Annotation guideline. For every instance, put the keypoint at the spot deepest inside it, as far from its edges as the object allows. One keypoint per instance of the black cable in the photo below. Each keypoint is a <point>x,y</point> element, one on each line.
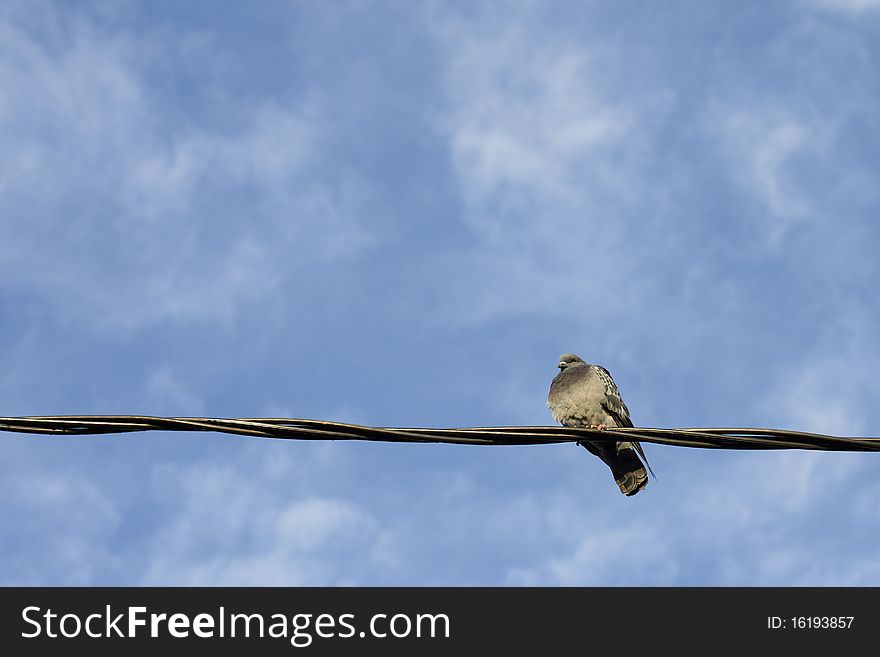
<point>304,429</point>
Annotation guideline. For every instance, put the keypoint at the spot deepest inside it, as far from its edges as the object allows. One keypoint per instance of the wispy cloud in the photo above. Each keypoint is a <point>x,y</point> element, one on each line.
<point>766,149</point>
<point>113,210</point>
<point>301,541</point>
<point>538,144</point>
<point>168,395</point>
<point>59,529</point>
<point>852,6</point>
<point>405,216</point>
<point>529,115</point>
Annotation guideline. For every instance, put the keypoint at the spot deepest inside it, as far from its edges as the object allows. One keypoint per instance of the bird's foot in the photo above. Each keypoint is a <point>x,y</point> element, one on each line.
<point>600,427</point>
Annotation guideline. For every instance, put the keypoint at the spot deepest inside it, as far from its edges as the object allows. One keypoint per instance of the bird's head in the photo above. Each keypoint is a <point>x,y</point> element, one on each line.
<point>569,360</point>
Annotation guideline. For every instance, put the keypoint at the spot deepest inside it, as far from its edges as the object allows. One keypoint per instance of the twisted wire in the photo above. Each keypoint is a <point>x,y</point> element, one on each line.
<point>305,429</point>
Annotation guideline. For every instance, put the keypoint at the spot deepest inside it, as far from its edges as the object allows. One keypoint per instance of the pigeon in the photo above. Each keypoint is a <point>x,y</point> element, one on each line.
<point>585,395</point>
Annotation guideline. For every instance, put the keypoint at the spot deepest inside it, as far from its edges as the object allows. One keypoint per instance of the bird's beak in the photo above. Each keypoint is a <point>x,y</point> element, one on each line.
<point>561,365</point>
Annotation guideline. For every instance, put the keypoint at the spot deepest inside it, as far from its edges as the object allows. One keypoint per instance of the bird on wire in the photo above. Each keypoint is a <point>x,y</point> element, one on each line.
<point>585,395</point>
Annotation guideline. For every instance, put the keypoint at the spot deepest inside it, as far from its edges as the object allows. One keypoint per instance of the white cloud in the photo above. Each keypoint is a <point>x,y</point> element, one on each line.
<point>65,519</point>
<point>725,520</point>
<point>527,113</point>
<point>299,542</point>
<point>631,556</point>
<point>169,395</point>
<point>539,147</point>
<point>824,397</point>
<point>236,526</point>
<point>848,6</point>
<point>831,388</point>
<point>113,210</point>
<point>761,148</point>
<point>773,149</point>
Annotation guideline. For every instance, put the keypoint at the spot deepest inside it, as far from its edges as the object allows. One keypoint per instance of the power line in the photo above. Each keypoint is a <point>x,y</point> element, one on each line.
<point>304,429</point>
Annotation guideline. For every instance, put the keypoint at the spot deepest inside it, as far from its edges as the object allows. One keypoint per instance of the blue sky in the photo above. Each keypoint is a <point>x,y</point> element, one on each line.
<point>401,213</point>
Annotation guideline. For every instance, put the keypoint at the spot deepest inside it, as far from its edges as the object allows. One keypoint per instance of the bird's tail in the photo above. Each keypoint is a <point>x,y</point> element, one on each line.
<point>627,462</point>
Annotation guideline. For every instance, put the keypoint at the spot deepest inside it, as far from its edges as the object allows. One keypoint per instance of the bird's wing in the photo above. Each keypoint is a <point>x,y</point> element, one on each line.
<point>612,401</point>
<point>615,407</point>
